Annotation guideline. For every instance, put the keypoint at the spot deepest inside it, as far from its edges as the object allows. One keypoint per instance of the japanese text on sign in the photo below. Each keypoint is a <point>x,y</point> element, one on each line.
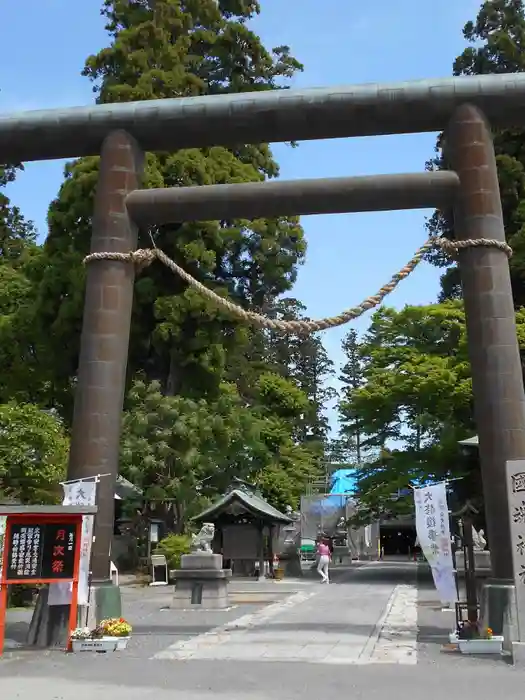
<point>518,517</point>
<point>41,551</point>
<point>433,532</point>
<point>25,551</point>
<point>431,522</point>
<point>59,551</point>
<point>515,483</point>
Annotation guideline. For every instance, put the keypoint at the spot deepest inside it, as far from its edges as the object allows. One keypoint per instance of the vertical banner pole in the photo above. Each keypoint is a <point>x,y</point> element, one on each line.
<point>88,601</point>
<point>74,592</point>
<point>3,584</point>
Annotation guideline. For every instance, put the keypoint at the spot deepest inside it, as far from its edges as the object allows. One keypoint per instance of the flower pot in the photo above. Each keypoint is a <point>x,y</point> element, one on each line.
<point>100,645</point>
<point>481,646</point>
<point>122,643</point>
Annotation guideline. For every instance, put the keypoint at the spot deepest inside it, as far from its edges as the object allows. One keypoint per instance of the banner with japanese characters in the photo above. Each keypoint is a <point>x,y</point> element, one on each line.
<point>78,493</point>
<point>433,534</point>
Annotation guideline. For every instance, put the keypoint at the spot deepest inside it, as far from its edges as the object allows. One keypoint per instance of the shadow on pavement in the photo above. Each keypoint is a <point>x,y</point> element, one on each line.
<point>16,632</point>
<point>394,573</point>
<point>188,630</point>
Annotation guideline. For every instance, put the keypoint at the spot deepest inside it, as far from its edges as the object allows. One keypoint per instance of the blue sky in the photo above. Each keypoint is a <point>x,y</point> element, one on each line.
<point>339,42</point>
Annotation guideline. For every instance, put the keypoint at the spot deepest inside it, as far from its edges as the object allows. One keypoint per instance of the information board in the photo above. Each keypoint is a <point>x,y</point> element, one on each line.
<point>44,551</point>
<point>41,546</point>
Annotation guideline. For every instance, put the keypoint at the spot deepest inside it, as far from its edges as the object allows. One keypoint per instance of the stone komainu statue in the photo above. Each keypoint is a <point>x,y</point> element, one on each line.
<point>201,542</point>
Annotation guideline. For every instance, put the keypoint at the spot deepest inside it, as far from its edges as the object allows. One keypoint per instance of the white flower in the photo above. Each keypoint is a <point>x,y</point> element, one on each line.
<point>81,633</point>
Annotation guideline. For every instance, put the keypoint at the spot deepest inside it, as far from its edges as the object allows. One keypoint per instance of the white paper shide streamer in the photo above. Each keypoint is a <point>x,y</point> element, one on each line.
<point>78,493</point>
<point>433,533</point>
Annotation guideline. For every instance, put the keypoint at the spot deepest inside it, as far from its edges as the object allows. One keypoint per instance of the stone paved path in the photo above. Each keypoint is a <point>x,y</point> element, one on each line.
<point>361,621</point>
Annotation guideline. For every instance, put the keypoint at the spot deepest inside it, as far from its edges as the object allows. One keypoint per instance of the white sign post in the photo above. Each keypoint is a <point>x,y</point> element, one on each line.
<point>3,521</point>
<point>78,493</point>
<point>433,533</point>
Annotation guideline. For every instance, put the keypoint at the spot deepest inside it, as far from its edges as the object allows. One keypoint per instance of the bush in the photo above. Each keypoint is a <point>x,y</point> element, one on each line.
<point>21,596</point>
<point>173,547</point>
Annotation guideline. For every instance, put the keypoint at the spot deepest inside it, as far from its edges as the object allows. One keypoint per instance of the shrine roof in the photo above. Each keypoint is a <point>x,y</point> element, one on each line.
<point>253,504</point>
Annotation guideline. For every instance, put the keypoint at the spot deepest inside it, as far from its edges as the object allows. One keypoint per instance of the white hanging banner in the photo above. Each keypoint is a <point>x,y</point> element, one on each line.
<point>78,493</point>
<point>433,533</point>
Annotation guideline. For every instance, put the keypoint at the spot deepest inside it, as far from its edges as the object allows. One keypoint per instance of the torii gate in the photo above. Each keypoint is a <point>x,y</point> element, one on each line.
<point>121,133</point>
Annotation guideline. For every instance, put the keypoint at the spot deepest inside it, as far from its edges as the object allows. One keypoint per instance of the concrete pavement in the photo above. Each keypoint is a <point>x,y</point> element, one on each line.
<point>356,636</point>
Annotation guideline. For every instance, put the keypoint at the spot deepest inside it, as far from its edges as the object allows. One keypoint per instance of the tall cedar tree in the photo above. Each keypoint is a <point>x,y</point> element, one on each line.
<point>498,46</point>
<point>304,360</point>
<point>352,441</point>
<point>20,347</point>
<point>169,49</point>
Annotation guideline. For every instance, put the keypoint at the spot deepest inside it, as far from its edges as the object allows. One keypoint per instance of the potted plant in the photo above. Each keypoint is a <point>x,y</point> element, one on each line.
<point>116,628</point>
<point>84,639</point>
<point>474,639</point>
<point>112,634</point>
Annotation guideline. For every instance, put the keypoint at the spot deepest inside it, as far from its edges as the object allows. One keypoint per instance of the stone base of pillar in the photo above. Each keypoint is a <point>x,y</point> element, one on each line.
<point>104,602</point>
<point>482,564</point>
<point>518,654</point>
<point>49,624</point>
<point>498,609</point>
<point>201,582</point>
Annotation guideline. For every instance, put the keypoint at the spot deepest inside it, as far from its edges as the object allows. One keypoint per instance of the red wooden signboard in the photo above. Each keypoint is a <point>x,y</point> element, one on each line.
<point>41,548</point>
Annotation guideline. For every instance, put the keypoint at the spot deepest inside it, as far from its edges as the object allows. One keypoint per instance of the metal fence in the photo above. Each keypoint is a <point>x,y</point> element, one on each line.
<point>321,513</point>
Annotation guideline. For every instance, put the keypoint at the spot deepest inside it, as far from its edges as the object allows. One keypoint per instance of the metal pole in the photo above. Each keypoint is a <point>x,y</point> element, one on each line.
<point>470,570</point>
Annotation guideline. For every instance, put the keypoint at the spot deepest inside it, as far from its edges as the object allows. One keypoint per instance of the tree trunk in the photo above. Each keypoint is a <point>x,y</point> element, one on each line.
<point>173,381</point>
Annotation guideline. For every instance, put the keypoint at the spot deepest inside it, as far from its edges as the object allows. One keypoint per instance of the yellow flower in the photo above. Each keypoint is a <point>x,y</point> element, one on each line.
<point>116,627</point>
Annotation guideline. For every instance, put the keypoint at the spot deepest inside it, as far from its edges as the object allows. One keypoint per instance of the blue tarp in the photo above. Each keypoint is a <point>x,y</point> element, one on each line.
<point>343,485</point>
<point>343,481</point>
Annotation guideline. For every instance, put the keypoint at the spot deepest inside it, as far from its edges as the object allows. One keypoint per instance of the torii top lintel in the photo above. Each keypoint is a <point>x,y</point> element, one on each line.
<point>256,117</point>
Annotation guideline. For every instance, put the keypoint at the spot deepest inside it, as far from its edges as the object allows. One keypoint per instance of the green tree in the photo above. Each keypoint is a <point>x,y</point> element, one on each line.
<point>182,451</point>
<point>352,440</point>
<point>283,468</point>
<point>170,48</point>
<point>415,390</point>
<point>33,453</point>
<point>16,234</point>
<point>178,450</point>
<point>22,342</point>
<point>302,359</point>
<point>497,38</point>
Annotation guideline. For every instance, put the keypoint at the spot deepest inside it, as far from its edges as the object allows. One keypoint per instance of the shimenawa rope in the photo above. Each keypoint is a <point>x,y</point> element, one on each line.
<point>143,257</point>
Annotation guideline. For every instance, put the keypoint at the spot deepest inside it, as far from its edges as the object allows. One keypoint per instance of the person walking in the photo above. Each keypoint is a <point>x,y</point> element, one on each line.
<point>323,552</point>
